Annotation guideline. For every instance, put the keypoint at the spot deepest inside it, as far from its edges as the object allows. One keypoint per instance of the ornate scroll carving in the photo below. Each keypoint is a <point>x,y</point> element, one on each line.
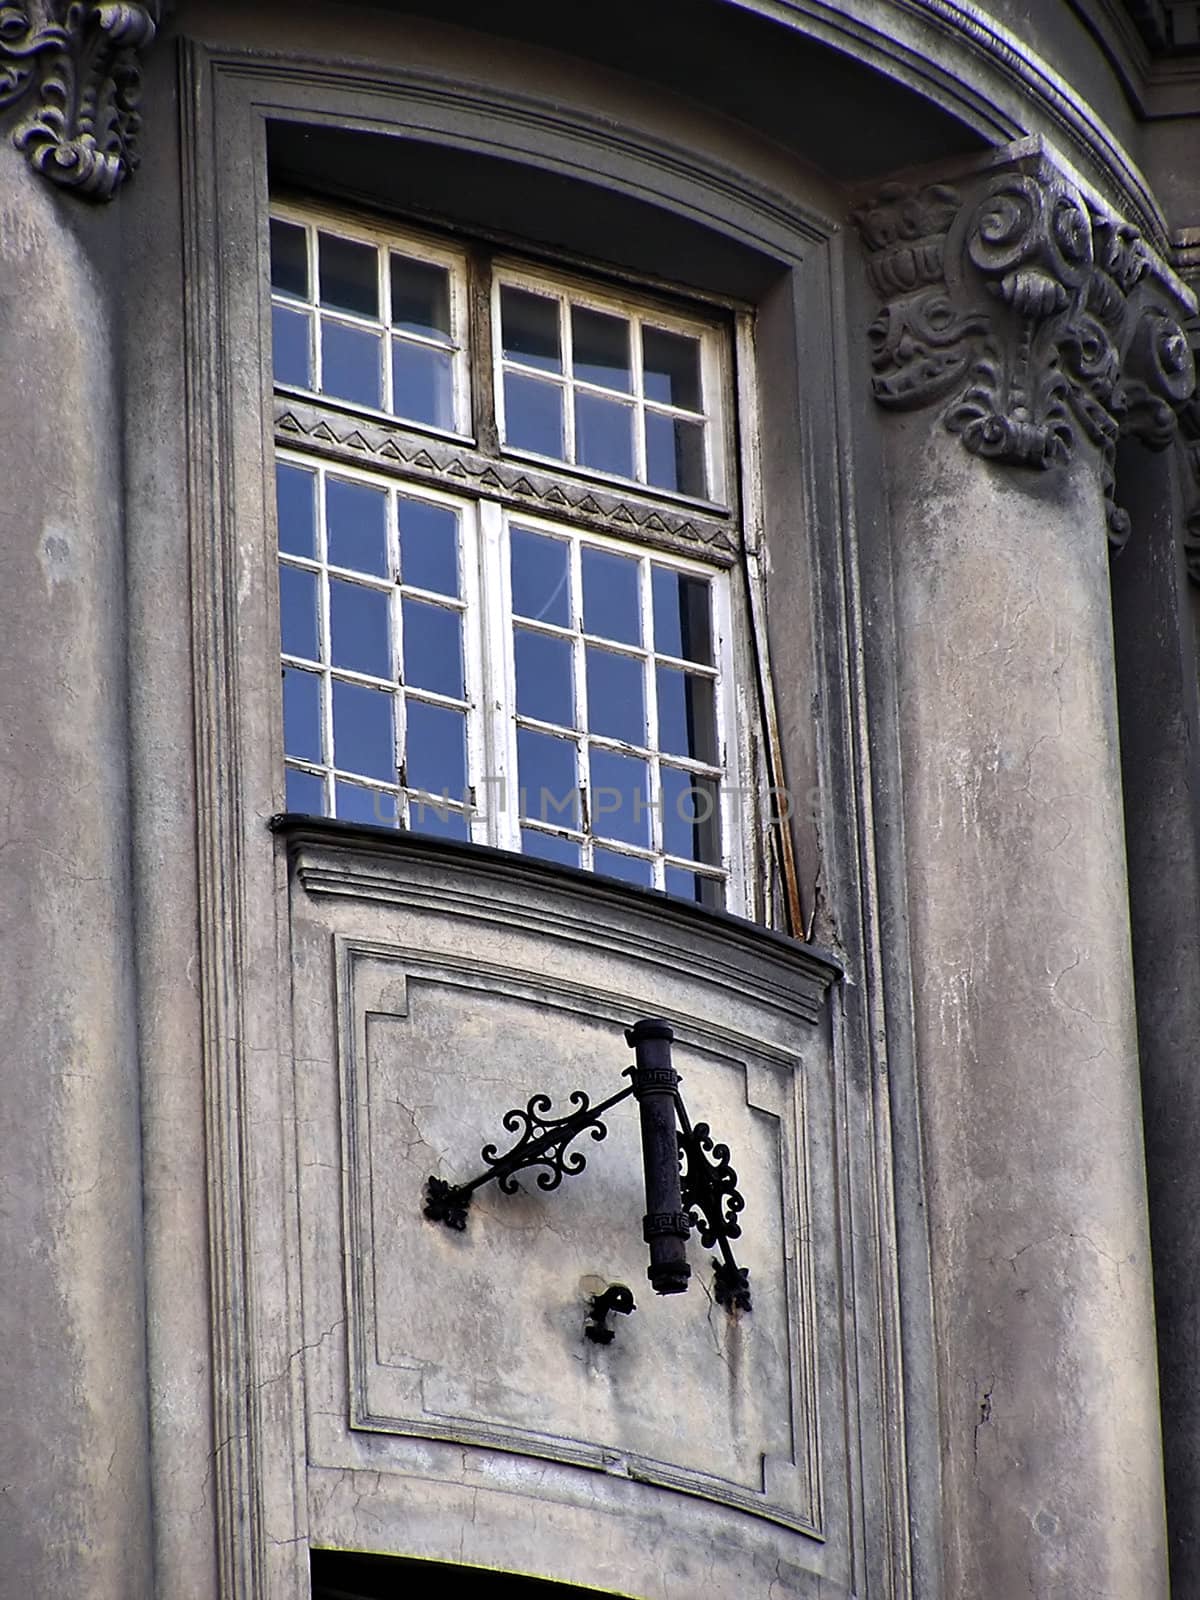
<point>77,65</point>
<point>1031,313</point>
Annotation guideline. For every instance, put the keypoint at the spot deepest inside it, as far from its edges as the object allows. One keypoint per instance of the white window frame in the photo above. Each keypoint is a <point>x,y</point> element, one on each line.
<point>493,812</point>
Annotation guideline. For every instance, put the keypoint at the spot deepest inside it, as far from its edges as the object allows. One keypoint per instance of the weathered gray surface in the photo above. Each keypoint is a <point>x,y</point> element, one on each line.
<point>1159,759</point>
<point>1026,1033</point>
<point>457,994</point>
<point>74,1497</point>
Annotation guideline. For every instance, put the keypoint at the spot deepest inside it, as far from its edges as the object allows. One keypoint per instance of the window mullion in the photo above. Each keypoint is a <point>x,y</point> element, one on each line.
<point>500,797</point>
<point>582,743</point>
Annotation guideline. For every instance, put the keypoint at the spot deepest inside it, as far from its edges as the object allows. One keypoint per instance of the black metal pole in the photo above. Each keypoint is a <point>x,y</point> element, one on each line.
<point>666,1225</point>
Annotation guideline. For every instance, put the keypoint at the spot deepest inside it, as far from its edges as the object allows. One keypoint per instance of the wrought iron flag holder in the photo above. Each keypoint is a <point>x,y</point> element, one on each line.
<point>689,1179</point>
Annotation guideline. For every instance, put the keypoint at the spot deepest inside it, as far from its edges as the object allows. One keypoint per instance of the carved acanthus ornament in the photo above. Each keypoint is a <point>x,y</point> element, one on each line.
<point>1030,313</point>
<point>75,64</point>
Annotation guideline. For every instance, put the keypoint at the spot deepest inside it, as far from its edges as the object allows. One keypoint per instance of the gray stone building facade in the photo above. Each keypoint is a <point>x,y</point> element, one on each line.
<point>724,475</point>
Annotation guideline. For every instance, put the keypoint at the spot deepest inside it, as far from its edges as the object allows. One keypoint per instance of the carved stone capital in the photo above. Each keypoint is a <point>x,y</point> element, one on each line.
<point>1030,313</point>
<point>72,67</point>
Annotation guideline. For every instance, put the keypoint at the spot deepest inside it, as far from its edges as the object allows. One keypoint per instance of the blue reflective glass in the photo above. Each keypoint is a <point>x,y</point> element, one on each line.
<point>550,847</point>
<point>691,823</point>
<point>611,596</point>
<point>350,364</point>
<point>420,297</point>
<point>675,455</point>
<point>442,820</point>
<point>682,615</point>
<point>356,522</point>
<point>359,629</point>
<point>708,892</point>
<point>295,497</point>
<point>433,657</point>
<point>422,384</point>
<point>356,803</point>
<point>533,415</point>
<point>616,704</point>
<point>630,869</point>
<point>289,259</point>
<point>604,435</point>
<point>301,714</point>
<point>619,797</point>
<point>298,629</point>
<point>305,792</point>
<point>541,584</point>
<point>529,324</point>
<point>671,368</point>
<point>290,347</point>
<point>349,274</point>
<point>547,778</point>
<point>428,546</point>
<point>600,349</point>
<point>545,679</point>
<point>687,723</point>
<point>435,757</point>
<point>363,733</point>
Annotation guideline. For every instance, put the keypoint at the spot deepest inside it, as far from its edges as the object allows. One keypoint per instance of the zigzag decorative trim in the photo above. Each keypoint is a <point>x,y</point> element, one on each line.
<point>455,466</point>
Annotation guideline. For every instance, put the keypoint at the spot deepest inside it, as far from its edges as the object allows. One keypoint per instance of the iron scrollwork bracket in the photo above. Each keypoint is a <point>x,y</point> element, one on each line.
<point>713,1203</point>
<point>689,1179</point>
<point>542,1142</point>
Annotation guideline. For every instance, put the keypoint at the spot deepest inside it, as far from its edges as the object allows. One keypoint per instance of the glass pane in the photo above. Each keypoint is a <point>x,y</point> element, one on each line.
<point>295,495</point>
<point>289,259</point>
<point>604,434</point>
<point>541,584</point>
<point>349,275</point>
<point>611,600</point>
<point>433,656</point>
<point>358,804</point>
<point>428,546</point>
<point>290,347</point>
<point>630,869</point>
<point>435,758</point>
<point>350,360</point>
<point>616,697</point>
<point>301,714</point>
<point>363,735</point>
<point>682,615</point>
<point>687,724</point>
<point>550,847</point>
<point>545,680</point>
<point>546,775</point>
<point>619,797</point>
<point>675,454</point>
<point>671,369</point>
<point>356,525</point>
<point>530,329</point>
<point>420,297</point>
<point>600,349</point>
<point>691,821</point>
<point>708,892</point>
<point>533,415</point>
<point>360,629</point>
<point>422,384</point>
<point>305,792</point>
<point>425,816</point>
<point>298,629</point>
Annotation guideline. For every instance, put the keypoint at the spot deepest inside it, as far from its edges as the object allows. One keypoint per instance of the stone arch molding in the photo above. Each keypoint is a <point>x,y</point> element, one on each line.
<point>76,65</point>
<point>1030,313</point>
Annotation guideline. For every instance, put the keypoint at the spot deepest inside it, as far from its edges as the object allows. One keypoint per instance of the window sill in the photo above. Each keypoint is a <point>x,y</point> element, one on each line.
<point>508,876</point>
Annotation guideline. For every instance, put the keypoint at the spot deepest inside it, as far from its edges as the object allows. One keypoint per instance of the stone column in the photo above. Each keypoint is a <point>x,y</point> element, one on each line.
<point>74,1480</point>
<point>1022,327</point>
